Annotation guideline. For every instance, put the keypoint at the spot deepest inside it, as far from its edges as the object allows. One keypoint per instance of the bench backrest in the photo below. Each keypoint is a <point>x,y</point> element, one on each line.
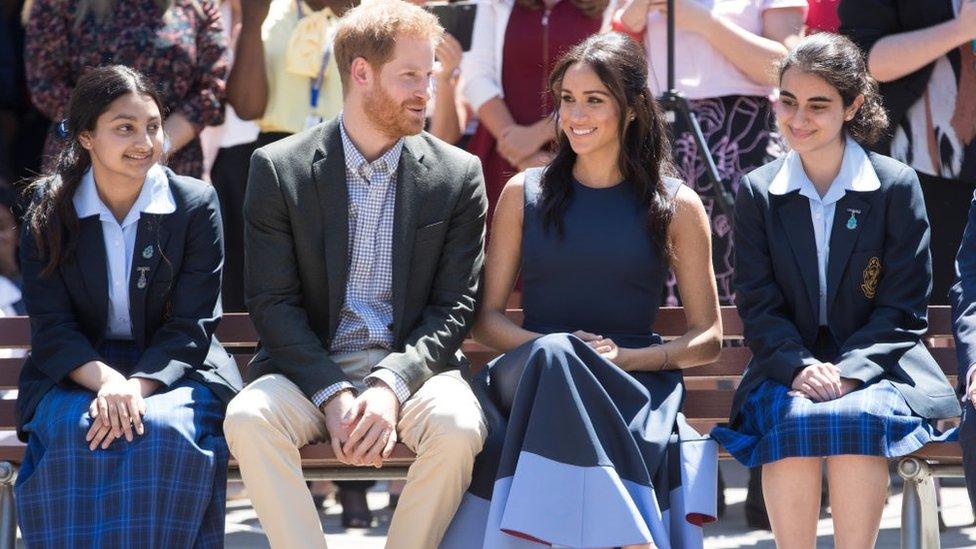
<point>709,388</point>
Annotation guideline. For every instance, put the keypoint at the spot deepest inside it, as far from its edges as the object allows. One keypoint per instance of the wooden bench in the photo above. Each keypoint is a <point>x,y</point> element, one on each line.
<point>710,390</point>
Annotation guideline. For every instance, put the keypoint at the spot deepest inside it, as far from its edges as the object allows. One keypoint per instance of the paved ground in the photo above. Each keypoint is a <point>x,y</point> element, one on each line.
<point>244,531</point>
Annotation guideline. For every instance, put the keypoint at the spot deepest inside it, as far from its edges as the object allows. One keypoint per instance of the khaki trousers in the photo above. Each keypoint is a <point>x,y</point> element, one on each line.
<point>271,419</point>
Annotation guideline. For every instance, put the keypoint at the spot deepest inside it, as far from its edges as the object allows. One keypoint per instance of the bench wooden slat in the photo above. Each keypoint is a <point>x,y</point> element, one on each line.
<point>236,329</point>
<point>945,452</point>
<point>710,388</point>
<point>15,332</point>
<point>10,372</point>
<point>7,414</point>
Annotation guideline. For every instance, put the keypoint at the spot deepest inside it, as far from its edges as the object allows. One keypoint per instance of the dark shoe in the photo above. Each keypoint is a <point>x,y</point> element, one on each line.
<point>355,510</point>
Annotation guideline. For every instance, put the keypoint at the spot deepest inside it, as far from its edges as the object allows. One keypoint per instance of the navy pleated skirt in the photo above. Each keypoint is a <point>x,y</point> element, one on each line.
<point>167,488</point>
<point>583,454</point>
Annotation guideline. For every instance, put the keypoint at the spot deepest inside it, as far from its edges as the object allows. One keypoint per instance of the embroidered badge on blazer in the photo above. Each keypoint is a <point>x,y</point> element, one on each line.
<point>872,273</point>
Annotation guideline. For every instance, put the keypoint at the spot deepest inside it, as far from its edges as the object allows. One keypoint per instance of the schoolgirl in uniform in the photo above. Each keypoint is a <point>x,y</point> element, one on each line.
<point>832,283</point>
<point>122,398</point>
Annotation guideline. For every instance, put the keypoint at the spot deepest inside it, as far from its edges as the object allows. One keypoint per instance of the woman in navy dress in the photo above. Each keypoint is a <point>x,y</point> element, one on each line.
<point>122,398</point>
<point>832,283</point>
<point>587,447</point>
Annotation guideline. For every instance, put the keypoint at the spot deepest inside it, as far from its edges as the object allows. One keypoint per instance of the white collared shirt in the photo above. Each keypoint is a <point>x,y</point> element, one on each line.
<point>120,239</point>
<point>856,174</point>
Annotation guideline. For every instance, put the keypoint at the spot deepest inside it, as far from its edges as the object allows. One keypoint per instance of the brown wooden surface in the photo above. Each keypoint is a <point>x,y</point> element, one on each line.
<point>710,388</point>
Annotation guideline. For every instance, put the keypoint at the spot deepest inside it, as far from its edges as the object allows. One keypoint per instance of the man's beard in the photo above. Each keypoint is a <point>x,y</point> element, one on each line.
<point>389,117</point>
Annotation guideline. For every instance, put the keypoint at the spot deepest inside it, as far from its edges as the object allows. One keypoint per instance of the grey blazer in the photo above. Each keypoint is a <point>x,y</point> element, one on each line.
<point>878,283</point>
<point>297,256</point>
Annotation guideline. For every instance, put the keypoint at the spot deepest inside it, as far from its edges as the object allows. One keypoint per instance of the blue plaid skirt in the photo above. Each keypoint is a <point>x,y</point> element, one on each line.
<point>167,488</point>
<point>873,421</point>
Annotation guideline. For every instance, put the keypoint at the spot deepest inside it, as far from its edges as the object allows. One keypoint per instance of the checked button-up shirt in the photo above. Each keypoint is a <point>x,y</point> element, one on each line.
<point>367,312</point>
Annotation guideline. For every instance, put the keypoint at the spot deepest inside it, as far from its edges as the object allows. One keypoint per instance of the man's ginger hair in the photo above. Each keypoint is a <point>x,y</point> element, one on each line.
<point>370,31</point>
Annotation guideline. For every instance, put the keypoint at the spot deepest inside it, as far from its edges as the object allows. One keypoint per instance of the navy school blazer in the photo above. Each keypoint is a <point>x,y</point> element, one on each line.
<point>962,297</point>
<point>878,282</point>
<point>173,317</point>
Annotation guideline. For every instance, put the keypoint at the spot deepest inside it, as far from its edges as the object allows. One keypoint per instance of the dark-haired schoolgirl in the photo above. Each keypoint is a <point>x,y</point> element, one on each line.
<point>122,398</point>
<point>587,447</point>
<point>832,283</point>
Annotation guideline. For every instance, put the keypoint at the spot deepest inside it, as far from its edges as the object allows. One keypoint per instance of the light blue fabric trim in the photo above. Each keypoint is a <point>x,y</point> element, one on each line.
<point>624,515</point>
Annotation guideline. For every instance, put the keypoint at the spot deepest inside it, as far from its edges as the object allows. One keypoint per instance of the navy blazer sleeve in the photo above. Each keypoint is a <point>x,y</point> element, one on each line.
<point>274,288</point>
<point>181,344</point>
<point>58,345</point>
<point>777,348</point>
<point>900,315</point>
<point>962,297</point>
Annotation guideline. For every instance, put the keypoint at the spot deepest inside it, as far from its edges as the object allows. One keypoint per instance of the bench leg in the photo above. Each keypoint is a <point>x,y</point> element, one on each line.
<point>8,512</point>
<point>919,516</point>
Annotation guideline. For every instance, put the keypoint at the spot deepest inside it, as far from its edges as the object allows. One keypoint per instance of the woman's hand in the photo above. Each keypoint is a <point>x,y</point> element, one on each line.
<point>689,15</point>
<point>115,411</point>
<point>449,54</point>
<point>146,386</point>
<point>605,347</point>
<point>516,143</point>
<point>634,14</point>
<point>848,385</point>
<point>819,382</point>
<point>180,131</point>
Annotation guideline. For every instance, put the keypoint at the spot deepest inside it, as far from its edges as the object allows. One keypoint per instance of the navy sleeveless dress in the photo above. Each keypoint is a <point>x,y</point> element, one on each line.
<point>579,452</point>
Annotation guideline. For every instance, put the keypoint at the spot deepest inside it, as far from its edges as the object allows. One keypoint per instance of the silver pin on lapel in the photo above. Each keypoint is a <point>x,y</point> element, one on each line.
<point>852,221</point>
<point>142,282</point>
<point>147,252</point>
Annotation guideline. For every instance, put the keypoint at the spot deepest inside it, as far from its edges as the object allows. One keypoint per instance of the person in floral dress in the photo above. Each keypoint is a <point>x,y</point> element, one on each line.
<point>177,43</point>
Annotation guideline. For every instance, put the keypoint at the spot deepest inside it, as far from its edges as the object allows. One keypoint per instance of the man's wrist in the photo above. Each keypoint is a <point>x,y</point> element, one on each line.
<point>331,398</point>
<point>392,381</point>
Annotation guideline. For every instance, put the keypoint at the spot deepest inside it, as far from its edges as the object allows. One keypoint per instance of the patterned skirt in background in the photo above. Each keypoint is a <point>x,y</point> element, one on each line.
<point>166,488</point>
<point>740,132</point>
<point>582,454</point>
<point>873,421</point>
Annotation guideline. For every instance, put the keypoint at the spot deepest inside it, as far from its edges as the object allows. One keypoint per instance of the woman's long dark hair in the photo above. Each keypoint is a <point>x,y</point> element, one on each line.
<point>51,217</point>
<point>645,152</point>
